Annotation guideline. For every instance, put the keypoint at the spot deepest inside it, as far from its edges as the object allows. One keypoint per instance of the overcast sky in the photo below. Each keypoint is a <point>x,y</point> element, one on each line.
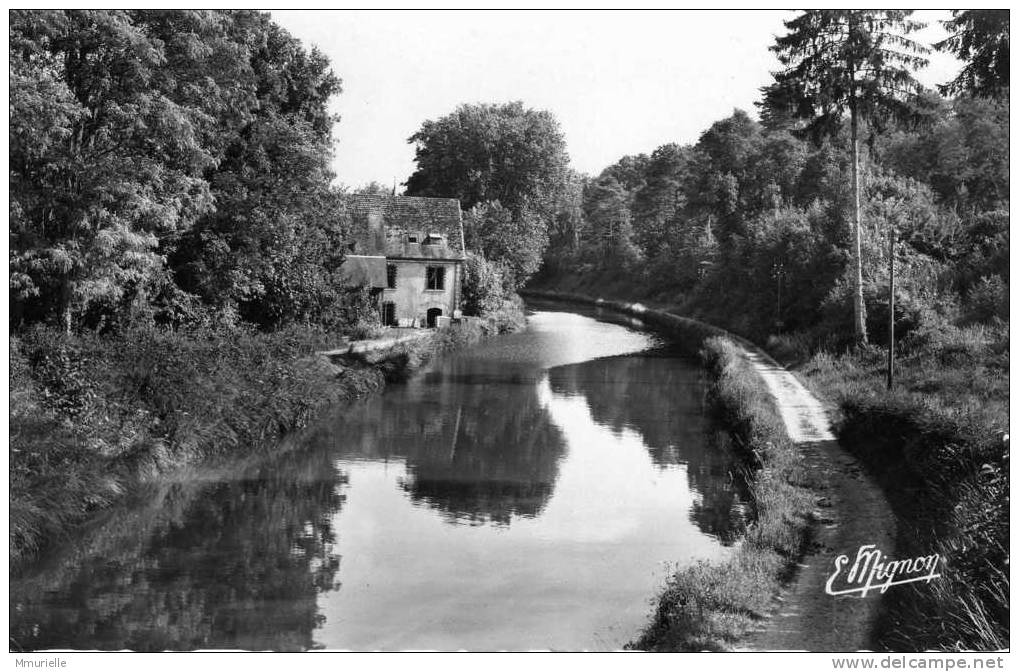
<point>619,82</point>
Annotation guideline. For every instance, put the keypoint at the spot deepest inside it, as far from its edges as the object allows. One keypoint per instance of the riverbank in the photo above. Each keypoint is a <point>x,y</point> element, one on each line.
<point>937,445</point>
<point>710,606</point>
<point>800,483</point>
<point>485,470</point>
<point>94,417</point>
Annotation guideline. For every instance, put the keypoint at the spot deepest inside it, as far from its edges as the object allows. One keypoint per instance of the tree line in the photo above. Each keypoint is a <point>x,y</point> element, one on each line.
<point>173,166</point>
<point>783,224</point>
<point>169,166</point>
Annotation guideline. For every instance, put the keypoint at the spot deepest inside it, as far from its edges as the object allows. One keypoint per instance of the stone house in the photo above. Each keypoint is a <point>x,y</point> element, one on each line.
<point>410,251</point>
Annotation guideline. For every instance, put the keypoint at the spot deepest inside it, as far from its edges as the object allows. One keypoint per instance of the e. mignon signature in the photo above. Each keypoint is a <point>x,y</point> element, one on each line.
<point>872,570</point>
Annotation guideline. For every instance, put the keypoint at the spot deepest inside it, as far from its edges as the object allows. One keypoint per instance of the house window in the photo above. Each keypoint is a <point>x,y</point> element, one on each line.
<point>389,314</point>
<point>412,239</point>
<point>435,277</point>
<point>391,276</point>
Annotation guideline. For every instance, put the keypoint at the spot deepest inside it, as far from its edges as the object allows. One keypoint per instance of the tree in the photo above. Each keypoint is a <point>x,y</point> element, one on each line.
<point>154,151</point>
<point>515,241</point>
<point>720,175</point>
<point>567,226</point>
<point>979,37</point>
<point>482,285</point>
<point>963,155</point>
<point>271,244</point>
<point>630,171</point>
<point>858,61</point>
<point>607,211</point>
<point>660,196</point>
<point>508,159</point>
<point>109,140</point>
<point>373,188</point>
<point>487,153</point>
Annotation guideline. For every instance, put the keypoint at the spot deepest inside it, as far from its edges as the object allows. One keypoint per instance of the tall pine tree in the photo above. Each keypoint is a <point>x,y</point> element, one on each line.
<point>979,37</point>
<point>855,61</point>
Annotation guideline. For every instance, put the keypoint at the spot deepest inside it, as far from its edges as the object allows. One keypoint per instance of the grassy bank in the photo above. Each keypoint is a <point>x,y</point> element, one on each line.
<point>92,417</point>
<point>937,446</point>
<point>711,605</point>
<point>404,359</point>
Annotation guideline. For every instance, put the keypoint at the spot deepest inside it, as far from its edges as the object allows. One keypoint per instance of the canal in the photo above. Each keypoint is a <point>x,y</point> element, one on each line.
<point>531,492</point>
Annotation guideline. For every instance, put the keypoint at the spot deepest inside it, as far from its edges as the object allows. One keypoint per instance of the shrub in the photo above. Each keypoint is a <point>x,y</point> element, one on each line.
<point>365,329</point>
<point>483,287</point>
<point>91,415</point>
<point>987,300</point>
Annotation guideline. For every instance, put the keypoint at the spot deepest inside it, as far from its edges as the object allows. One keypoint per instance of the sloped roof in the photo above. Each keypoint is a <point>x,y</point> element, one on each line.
<point>380,224</point>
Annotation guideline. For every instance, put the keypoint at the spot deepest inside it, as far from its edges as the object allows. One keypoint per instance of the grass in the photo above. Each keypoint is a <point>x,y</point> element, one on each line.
<point>709,606</point>
<point>407,358</point>
<point>937,445</point>
<point>93,417</point>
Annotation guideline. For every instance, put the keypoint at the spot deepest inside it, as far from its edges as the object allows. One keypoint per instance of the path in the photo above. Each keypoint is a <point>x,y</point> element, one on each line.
<point>373,349</point>
<point>852,511</point>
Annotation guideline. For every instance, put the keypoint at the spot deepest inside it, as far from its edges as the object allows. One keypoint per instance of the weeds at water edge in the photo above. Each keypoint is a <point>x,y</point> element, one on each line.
<point>710,606</point>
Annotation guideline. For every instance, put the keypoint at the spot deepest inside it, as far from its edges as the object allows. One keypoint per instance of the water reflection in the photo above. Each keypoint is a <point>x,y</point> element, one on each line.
<point>477,444</point>
<point>237,563</point>
<point>661,396</point>
<point>531,492</point>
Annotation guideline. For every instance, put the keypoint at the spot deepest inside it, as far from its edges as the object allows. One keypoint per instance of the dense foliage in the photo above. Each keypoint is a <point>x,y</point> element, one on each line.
<point>751,228</point>
<point>168,165</point>
<point>508,166</point>
<point>980,38</point>
<point>92,415</point>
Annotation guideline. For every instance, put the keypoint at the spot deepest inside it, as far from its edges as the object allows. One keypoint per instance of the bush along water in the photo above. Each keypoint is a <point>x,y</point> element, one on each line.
<point>93,415</point>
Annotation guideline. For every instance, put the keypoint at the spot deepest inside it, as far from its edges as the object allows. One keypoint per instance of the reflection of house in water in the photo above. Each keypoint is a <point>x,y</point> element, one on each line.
<point>410,252</point>
<point>475,448</point>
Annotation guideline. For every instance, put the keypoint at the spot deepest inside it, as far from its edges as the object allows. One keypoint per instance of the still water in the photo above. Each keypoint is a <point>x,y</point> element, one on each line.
<point>532,492</point>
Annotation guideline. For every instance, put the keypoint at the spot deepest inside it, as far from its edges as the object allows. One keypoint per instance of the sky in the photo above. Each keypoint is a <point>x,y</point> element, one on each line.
<point>618,82</point>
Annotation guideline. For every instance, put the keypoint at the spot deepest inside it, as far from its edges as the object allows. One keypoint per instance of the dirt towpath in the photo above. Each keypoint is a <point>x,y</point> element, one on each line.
<point>851,510</point>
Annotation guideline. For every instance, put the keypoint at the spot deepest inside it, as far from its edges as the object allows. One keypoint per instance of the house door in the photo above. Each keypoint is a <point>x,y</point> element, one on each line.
<point>389,313</point>
<point>433,313</point>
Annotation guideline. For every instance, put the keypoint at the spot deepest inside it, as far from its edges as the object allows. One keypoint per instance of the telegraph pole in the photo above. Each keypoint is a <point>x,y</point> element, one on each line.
<point>891,306</point>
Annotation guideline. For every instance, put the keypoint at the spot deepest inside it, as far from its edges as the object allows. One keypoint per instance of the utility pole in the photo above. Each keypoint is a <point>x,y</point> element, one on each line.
<point>891,306</point>
<point>779,271</point>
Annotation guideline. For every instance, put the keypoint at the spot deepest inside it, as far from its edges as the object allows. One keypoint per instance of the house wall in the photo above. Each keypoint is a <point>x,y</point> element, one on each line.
<point>413,300</point>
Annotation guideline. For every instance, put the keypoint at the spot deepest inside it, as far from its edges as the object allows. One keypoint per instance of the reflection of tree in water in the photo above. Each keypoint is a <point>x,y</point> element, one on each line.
<point>662,398</point>
<point>478,444</point>
<point>234,564</point>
